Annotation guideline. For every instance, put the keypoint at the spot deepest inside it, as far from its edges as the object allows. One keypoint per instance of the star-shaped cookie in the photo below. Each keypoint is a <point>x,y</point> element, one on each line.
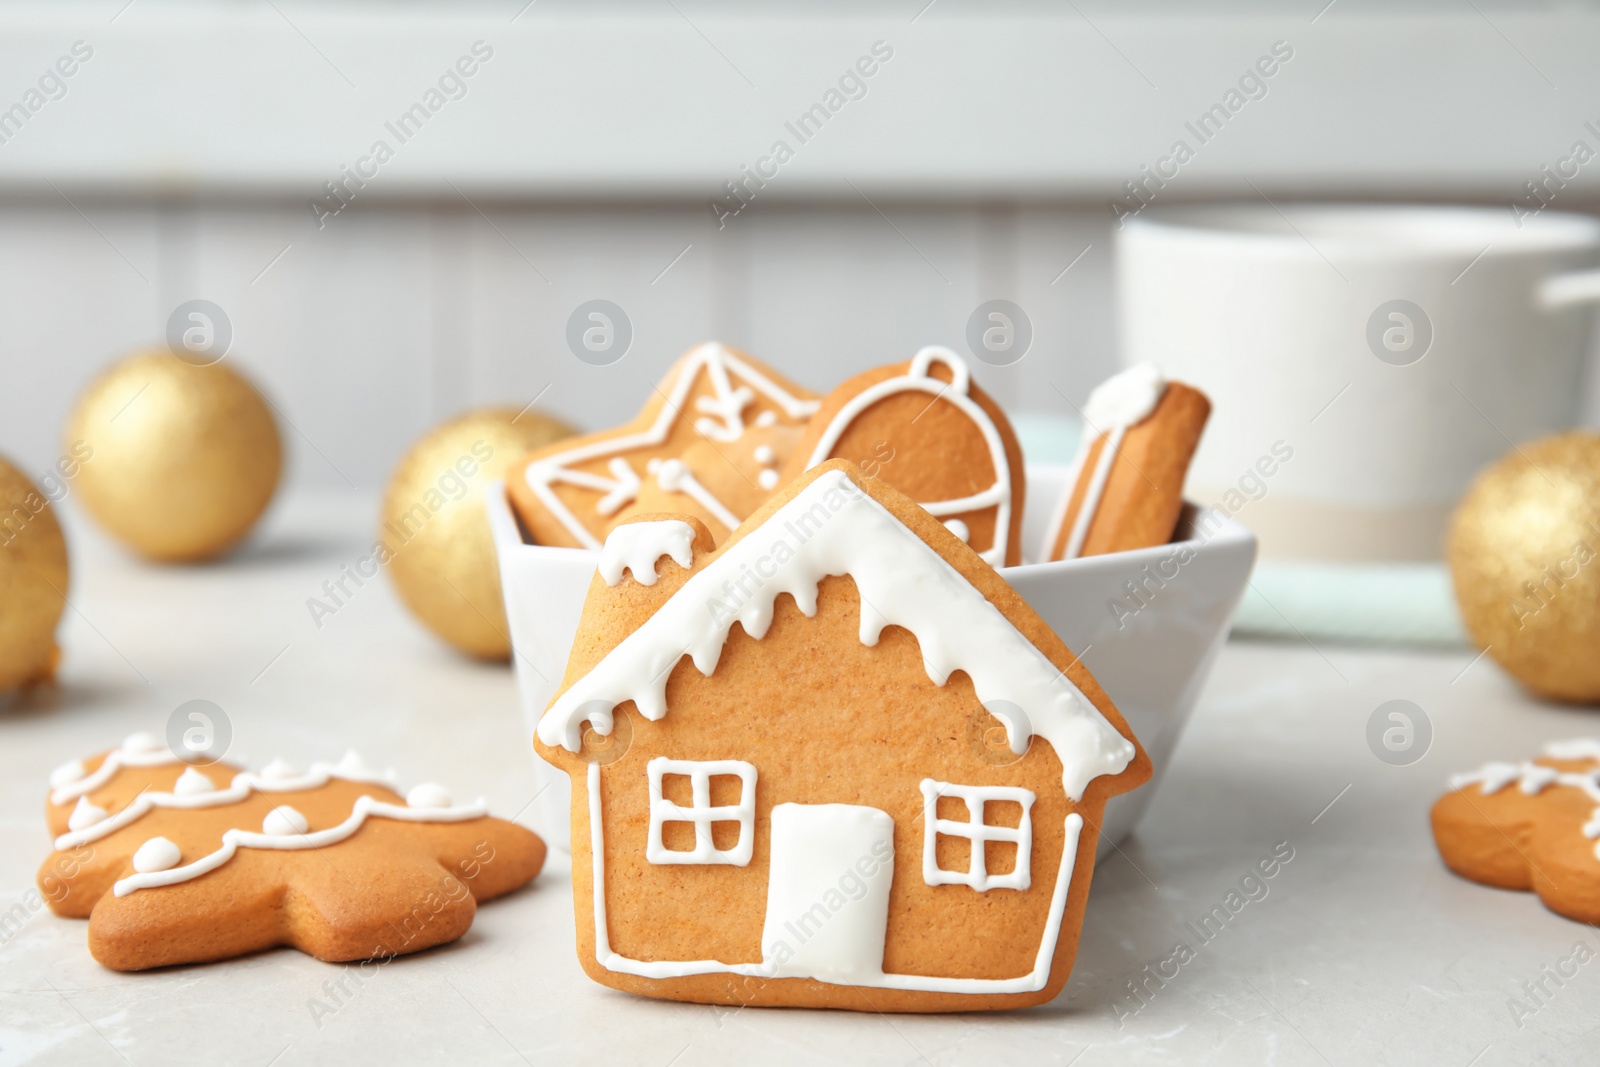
<point>1529,825</point>
<point>172,863</point>
<point>571,493</point>
<point>719,484</point>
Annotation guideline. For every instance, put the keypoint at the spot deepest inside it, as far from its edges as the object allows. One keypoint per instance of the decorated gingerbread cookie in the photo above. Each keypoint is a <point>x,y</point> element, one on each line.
<point>925,429</point>
<point>572,492</point>
<point>1531,825</point>
<point>721,484</point>
<point>785,790</point>
<point>172,863</point>
<point>1126,486</point>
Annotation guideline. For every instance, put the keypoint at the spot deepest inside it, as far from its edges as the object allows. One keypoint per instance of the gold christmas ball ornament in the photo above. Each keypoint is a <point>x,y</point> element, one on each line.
<point>186,458</point>
<point>33,581</point>
<point>1524,551</point>
<point>435,531</point>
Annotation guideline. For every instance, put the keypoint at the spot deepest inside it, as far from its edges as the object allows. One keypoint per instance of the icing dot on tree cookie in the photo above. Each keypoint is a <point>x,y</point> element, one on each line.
<point>141,743</point>
<point>85,815</point>
<point>277,770</point>
<point>67,773</point>
<point>284,821</point>
<point>192,783</point>
<point>428,795</point>
<point>156,854</point>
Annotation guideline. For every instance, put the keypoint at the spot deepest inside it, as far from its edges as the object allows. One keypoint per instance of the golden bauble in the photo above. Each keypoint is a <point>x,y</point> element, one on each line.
<point>436,530</point>
<point>185,457</point>
<point>33,581</point>
<point>1524,552</point>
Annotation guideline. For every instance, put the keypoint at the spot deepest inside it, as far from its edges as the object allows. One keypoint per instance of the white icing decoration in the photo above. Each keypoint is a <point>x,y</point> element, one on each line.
<point>142,743</point>
<point>278,769</point>
<point>85,815</point>
<point>764,455</point>
<point>428,795</point>
<point>812,847</point>
<point>918,378</point>
<point>832,528</point>
<point>156,854</point>
<point>674,476</point>
<point>1035,979</point>
<point>979,833</point>
<point>1120,402</point>
<point>67,773</point>
<point>351,765</point>
<point>623,490</point>
<point>192,783</point>
<point>729,408</point>
<point>1534,778</point>
<point>234,840</point>
<point>242,786</point>
<point>114,762</point>
<point>636,546</point>
<point>957,527</point>
<point>1574,749</point>
<point>1126,398</point>
<point>768,479</point>
<point>722,367</point>
<point>282,821</point>
<point>700,812</point>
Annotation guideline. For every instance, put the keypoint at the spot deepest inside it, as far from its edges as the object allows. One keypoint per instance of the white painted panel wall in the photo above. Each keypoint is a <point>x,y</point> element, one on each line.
<point>397,315</point>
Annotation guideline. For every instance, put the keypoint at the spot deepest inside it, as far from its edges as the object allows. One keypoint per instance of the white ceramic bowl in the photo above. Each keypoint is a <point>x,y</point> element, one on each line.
<point>1151,654</point>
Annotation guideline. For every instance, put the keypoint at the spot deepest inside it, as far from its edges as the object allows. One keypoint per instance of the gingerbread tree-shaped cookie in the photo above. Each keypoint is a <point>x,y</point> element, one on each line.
<point>172,863</point>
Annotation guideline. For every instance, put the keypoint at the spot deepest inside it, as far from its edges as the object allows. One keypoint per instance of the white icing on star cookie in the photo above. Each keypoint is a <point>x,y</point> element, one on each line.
<point>721,418</point>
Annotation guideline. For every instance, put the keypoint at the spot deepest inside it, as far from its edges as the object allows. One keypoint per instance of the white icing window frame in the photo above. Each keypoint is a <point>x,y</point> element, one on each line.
<point>701,813</point>
<point>978,834</point>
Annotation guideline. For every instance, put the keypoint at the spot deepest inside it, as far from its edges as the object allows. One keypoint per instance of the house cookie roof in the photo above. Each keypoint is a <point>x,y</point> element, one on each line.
<point>833,527</point>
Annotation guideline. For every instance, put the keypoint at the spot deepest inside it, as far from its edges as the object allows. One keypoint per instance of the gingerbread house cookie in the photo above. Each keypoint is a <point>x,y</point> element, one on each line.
<point>1529,825</point>
<point>927,430</point>
<point>1125,490</point>
<point>172,863</point>
<point>570,493</point>
<point>785,790</point>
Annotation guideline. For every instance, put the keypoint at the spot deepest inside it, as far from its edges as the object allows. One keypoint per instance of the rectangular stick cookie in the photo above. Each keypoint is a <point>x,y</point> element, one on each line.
<point>1126,486</point>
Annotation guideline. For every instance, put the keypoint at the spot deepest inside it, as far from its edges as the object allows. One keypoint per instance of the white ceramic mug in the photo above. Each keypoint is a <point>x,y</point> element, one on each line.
<point>1364,362</point>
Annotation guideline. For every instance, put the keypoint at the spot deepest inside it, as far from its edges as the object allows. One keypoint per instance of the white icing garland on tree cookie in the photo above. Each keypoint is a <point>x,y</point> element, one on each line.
<point>155,863</point>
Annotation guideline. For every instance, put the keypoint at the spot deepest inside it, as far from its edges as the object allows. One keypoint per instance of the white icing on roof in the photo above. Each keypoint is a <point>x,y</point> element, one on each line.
<point>637,546</point>
<point>832,527</point>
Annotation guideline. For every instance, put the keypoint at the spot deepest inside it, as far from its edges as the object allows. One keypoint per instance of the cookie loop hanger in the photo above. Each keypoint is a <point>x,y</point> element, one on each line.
<point>922,362</point>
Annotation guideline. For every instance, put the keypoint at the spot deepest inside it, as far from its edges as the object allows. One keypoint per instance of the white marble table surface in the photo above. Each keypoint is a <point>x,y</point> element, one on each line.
<point>1363,950</point>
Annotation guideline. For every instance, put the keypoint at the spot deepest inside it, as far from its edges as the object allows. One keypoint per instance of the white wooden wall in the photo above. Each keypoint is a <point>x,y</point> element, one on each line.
<point>387,320</point>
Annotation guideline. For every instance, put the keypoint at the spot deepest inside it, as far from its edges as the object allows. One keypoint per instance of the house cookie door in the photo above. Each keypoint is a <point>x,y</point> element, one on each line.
<point>828,892</point>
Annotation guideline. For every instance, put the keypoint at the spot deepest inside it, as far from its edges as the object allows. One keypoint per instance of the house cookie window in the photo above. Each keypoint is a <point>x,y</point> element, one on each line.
<point>701,811</point>
<point>995,832</point>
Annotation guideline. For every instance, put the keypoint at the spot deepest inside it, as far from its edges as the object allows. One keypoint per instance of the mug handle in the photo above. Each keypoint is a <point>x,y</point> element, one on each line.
<point>1566,290</point>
